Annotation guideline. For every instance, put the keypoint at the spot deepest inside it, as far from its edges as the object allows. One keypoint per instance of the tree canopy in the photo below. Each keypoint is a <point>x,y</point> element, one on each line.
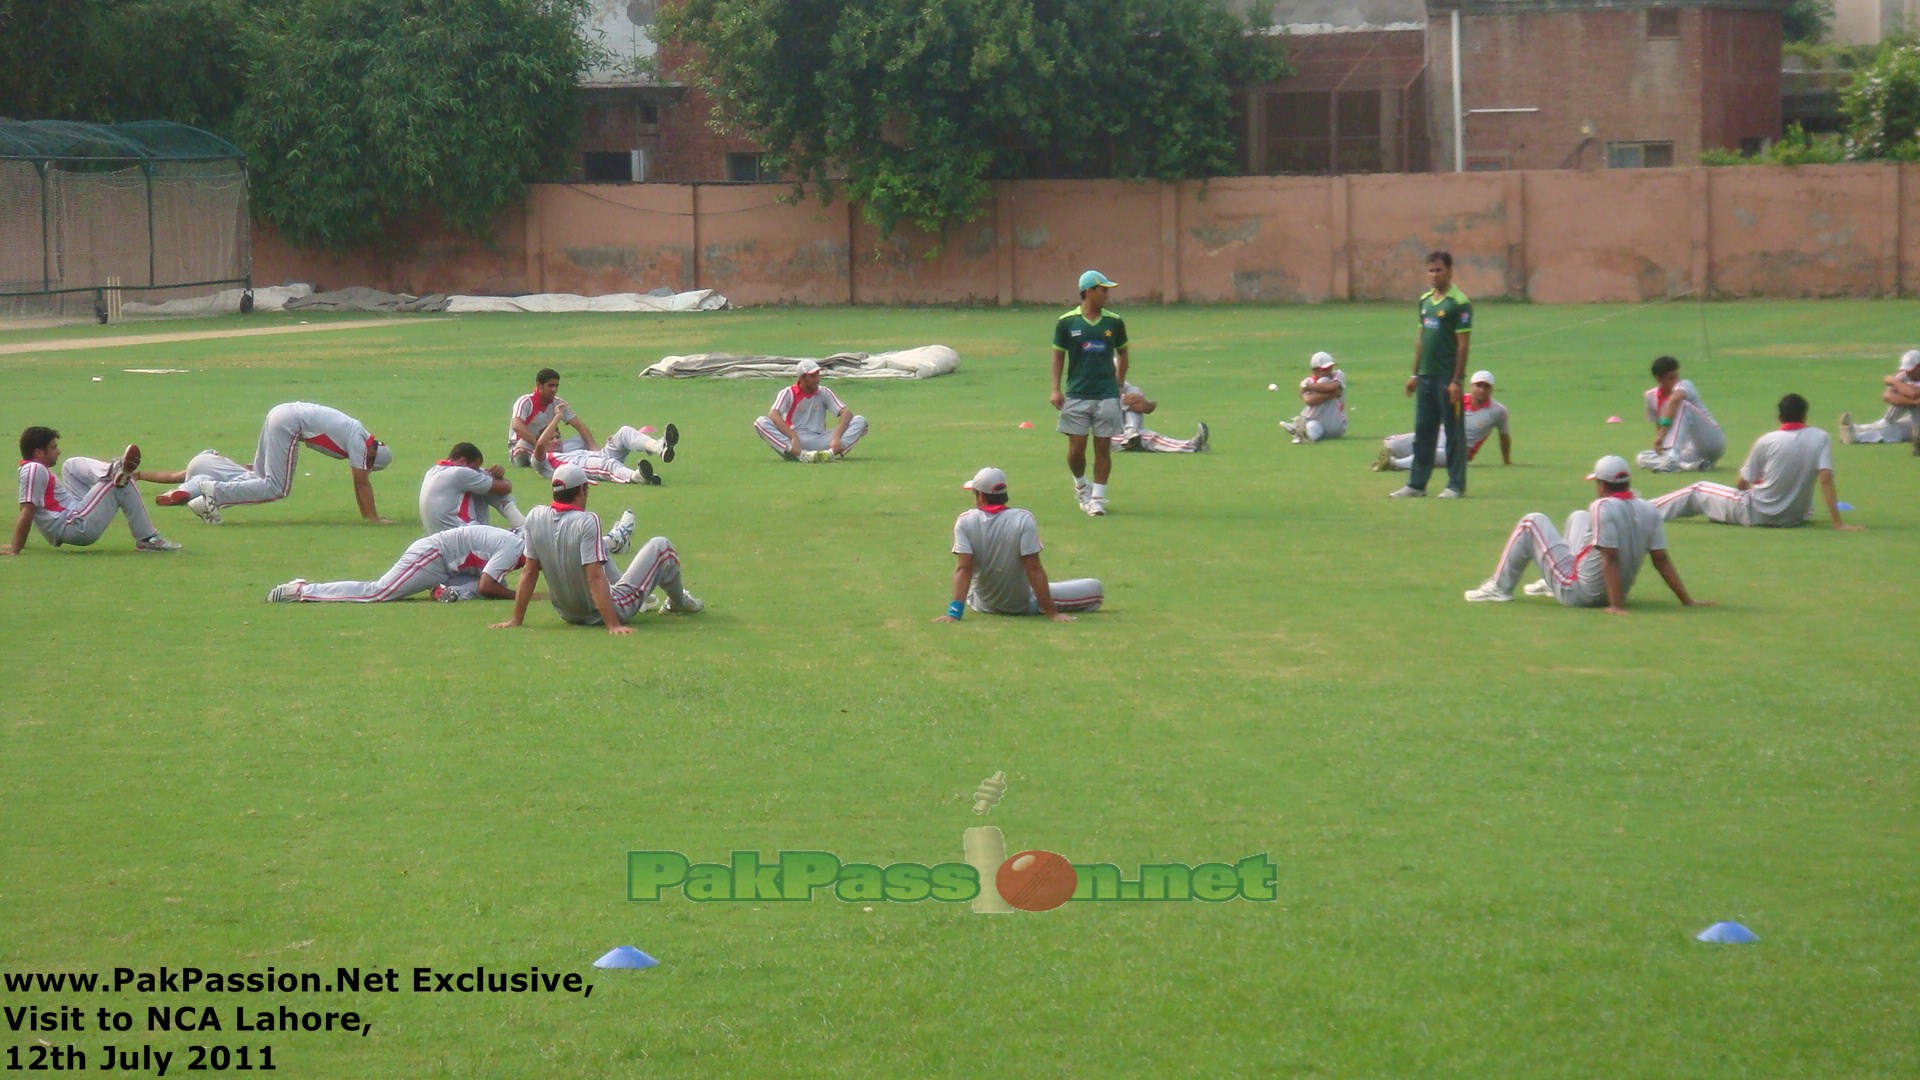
<point>355,114</point>
<point>920,104</point>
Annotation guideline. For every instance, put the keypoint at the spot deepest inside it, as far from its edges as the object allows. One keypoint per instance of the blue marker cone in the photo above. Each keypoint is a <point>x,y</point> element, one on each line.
<point>1844,505</point>
<point>626,956</point>
<point>1727,933</point>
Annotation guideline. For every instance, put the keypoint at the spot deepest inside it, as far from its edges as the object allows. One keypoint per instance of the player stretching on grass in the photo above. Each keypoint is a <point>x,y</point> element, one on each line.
<point>288,427</point>
<point>455,564</point>
<point>76,506</point>
<point>1901,422</point>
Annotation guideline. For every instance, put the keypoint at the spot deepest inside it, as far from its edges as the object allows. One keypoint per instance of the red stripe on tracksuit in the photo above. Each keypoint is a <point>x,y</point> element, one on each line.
<point>1083,604</point>
<point>425,560</point>
<point>641,588</point>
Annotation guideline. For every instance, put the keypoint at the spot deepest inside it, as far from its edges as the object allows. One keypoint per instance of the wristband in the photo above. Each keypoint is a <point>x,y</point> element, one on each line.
<point>1666,421</point>
<point>956,609</point>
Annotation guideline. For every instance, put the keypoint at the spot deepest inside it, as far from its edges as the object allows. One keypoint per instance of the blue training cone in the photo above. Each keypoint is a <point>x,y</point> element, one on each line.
<point>1727,933</point>
<point>1844,505</point>
<point>626,956</point>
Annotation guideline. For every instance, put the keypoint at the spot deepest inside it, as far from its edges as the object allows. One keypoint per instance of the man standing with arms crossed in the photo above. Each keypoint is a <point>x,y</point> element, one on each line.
<point>1439,367</point>
<point>1090,346</point>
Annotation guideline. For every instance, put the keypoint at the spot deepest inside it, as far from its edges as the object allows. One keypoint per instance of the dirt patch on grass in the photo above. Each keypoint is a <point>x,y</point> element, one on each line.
<point>65,345</point>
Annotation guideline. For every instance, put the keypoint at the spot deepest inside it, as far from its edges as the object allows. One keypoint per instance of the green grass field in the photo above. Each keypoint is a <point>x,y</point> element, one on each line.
<point>1497,827</point>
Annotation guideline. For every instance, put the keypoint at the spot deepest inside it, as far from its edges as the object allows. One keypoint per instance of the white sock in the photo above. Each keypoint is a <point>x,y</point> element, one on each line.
<point>1099,491</point>
<point>1080,483</point>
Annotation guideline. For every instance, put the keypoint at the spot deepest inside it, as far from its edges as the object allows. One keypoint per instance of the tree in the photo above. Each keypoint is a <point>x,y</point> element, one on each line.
<point>179,60</point>
<point>48,68</point>
<point>359,114</point>
<point>1882,107</point>
<point>1807,20</point>
<point>922,103</point>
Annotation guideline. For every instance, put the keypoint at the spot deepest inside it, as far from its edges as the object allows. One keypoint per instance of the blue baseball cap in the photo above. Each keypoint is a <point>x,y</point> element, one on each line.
<point>1094,277</point>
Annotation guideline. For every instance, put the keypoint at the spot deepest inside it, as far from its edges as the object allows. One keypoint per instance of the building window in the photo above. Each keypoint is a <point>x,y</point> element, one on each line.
<point>1663,23</point>
<point>647,114</point>
<point>748,169</point>
<point>1639,155</point>
<point>614,166</point>
<point>1487,162</point>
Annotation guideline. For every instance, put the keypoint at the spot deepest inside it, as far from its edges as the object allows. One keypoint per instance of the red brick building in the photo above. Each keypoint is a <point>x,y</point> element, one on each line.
<point>1583,84</point>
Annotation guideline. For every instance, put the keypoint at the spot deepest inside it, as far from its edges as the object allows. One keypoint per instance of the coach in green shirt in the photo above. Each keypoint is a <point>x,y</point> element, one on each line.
<point>1090,347</point>
<point>1439,367</point>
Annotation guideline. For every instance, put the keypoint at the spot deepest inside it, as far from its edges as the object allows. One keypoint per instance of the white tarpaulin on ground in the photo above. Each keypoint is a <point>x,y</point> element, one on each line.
<point>924,362</point>
<point>224,302</point>
<point>697,300</point>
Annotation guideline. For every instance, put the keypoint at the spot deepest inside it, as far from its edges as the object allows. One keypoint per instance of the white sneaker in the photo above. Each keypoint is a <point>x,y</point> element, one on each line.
<point>622,534</point>
<point>1097,507</point>
<point>1407,493</point>
<point>1488,592</point>
<point>124,465</point>
<point>286,593</point>
<point>447,594</point>
<point>1084,495</point>
<point>690,606</point>
<point>204,507</point>
<point>1450,493</point>
<point>1291,430</point>
<point>1538,588</point>
<point>156,542</point>
<point>817,457</point>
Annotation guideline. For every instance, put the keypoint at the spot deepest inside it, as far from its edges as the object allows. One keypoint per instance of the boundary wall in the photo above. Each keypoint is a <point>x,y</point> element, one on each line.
<point>1546,236</point>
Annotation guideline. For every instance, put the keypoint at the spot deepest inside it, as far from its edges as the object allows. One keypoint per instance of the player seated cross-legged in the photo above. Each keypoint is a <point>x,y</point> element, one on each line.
<point>796,424</point>
<point>74,506</point>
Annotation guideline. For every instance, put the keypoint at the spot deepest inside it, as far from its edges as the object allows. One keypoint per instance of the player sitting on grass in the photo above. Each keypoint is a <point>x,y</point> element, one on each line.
<point>796,424</point>
<point>1901,422</point>
<point>1686,437</point>
<point>1324,394</point>
<point>999,570</point>
<point>459,490</point>
<point>76,505</point>
<point>1484,416</point>
<point>1595,563</point>
<point>610,461</point>
<point>1776,481</point>
<point>564,540</point>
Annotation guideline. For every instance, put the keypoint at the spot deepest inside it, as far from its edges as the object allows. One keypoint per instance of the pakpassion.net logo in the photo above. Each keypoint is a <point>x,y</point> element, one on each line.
<point>989,879</point>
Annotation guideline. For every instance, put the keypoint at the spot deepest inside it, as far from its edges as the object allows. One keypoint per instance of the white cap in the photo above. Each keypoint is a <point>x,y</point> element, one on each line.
<point>988,481</point>
<point>382,457</point>
<point>1910,360</point>
<point>1613,469</point>
<point>808,367</point>
<point>1481,376</point>
<point>1322,360</point>
<point>569,476</point>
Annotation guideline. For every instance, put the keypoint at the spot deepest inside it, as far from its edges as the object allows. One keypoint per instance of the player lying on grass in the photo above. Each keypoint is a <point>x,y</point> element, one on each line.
<point>564,540</point>
<point>455,564</point>
<point>999,571</point>
<point>206,465</point>
<point>1136,435</point>
<point>610,461</point>
<point>75,505</point>
<point>1594,564</point>
<point>1776,481</point>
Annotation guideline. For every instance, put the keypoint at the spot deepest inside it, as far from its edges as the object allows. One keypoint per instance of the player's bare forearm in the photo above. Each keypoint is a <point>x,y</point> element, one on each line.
<point>1042,591</point>
<point>1671,575</point>
<point>1506,449</point>
<point>363,497</point>
<point>1610,573</point>
<point>492,589</point>
<point>1832,497</point>
<point>580,426</point>
<point>1461,342</point>
<point>160,476</point>
<point>1059,364</point>
<point>20,527</point>
<point>1742,483</point>
<point>545,438</point>
<point>603,599</point>
<point>962,580</point>
<point>523,595</point>
<point>1120,365</point>
<point>840,432</point>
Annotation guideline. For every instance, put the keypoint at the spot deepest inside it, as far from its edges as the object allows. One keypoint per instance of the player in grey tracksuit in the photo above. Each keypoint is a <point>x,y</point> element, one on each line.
<point>999,569</point>
<point>564,541</point>
<point>458,491</point>
<point>1686,436</point>
<point>1776,481</point>
<point>455,564</point>
<point>1901,421</point>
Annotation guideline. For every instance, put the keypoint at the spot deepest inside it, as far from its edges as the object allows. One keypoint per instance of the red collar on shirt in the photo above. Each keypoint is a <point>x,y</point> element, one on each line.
<point>1791,427</point>
<point>1627,494</point>
<point>450,463</point>
<point>804,393</point>
<point>1661,394</point>
<point>992,509</point>
<point>561,508</point>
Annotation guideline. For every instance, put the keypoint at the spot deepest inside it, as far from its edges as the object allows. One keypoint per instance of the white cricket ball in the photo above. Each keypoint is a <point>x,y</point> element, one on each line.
<point>1273,386</point>
<point>96,378</point>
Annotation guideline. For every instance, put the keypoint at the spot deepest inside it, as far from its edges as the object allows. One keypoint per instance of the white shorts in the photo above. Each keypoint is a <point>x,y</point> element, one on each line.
<point>1100,416</point>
